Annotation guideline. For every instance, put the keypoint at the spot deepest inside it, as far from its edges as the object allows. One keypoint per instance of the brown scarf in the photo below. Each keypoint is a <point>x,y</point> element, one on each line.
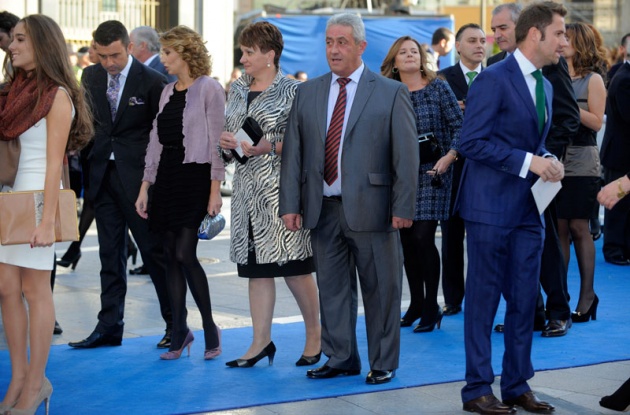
<point>21,107</point>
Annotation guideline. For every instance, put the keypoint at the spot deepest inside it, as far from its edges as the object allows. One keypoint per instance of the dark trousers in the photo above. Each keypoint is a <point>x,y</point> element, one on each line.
<point>553,274</point>
<point>114,214</point>
<point>616,223</point>
<point>501,261</point>
<point>453,233</point>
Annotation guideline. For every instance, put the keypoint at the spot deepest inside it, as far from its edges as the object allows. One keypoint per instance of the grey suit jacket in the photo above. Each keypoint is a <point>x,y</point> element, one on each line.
<point>379,166</point>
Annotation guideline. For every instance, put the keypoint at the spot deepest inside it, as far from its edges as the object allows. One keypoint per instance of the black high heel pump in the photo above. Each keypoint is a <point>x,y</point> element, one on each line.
<point>132,252</point>
<point>309,360</point>
<point>72,261</point>
<point>427,327</point>
<point>578,317</point>
<point>269,350</point>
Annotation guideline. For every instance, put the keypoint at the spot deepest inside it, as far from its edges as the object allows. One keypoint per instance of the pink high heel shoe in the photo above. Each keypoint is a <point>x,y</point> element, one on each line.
<point>175,354</point>
<point>212,353</point>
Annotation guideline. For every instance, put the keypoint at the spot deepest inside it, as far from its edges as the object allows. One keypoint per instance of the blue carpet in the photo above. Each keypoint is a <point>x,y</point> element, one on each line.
<point>132,380</point>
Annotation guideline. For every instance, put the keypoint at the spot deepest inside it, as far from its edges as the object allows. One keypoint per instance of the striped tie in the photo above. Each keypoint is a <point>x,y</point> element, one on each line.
<point>333,137</point>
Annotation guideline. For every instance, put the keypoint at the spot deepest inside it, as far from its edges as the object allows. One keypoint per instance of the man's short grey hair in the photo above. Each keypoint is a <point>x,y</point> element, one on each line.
<point>352,20</point>
<point>514,8</point>
<point>148,35</point>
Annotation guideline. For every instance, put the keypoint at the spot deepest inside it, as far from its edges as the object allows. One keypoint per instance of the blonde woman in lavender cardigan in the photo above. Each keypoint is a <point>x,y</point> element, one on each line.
<point>184,169</point>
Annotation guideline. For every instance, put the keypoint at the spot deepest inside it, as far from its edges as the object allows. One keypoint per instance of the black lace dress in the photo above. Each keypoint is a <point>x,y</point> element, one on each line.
<point>181,190</point>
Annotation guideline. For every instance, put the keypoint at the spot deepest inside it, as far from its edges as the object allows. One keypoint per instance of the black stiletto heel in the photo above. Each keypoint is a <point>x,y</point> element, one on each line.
<point>578,317</point>
<point>67,262</point>
<point>132,252</point>
<point>425,328</point>
<point>269,350</point>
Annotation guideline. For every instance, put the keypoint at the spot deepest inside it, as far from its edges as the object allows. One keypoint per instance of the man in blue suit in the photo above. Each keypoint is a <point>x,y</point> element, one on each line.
<point>145,46</point>
<point>503,139</point>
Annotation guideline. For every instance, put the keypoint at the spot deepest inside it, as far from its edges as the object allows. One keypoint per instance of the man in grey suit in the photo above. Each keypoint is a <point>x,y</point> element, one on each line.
<point>349,173</point>
<point>145,46</point>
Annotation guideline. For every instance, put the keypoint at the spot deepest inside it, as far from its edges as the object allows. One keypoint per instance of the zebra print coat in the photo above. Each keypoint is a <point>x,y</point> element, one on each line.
<point>256,184</point>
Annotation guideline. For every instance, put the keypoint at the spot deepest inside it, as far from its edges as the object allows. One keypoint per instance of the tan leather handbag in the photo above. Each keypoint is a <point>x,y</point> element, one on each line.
<point>21,212</point>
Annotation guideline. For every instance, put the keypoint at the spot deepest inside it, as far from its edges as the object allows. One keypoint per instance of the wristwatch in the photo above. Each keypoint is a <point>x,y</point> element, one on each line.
<point>273,149</point>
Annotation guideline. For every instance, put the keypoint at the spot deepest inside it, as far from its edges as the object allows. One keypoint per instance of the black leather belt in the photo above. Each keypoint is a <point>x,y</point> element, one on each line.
<point>335,198</point>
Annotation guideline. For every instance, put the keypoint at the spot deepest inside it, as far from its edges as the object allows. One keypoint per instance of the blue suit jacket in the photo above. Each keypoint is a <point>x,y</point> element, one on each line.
<point>157,65</point>
<point>500,127</point>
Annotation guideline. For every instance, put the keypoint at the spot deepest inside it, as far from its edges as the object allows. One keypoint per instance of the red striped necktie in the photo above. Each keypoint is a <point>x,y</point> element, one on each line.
<point>333,137</point>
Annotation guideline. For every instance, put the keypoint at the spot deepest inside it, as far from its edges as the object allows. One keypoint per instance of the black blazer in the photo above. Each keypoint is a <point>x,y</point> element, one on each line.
<point>565,120</point>
<point>615,152</point>
<point>566,113</point>
<point>496,58</point>
<point>456,80</point>
<point>128,135</point>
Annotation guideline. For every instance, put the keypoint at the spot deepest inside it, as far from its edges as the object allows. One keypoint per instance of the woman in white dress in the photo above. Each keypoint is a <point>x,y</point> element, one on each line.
<point>36,107</point>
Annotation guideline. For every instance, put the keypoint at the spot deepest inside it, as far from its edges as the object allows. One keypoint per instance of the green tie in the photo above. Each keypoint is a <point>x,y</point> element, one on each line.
<point>540,100</point>
<point>471,77</point>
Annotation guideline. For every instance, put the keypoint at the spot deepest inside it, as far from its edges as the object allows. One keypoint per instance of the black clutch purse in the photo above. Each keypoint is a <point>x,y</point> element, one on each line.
<point>429,147</point>
<point>253,130</point>
<point>211,227</point>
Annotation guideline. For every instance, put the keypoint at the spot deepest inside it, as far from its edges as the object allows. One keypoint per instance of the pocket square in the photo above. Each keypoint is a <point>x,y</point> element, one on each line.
<point>135,101</point>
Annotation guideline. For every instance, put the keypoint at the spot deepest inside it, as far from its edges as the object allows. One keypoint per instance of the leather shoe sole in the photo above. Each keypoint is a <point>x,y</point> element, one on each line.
<point>327,372</point>
<point>488,405</point>
<point>529,402</point>
<point>376,377</point>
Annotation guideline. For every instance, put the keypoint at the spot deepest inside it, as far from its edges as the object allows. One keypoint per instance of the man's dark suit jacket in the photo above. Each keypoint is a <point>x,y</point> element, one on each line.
<point>157,65</point>
<point>456,80</point>
<point>566,113</point>
<point>615,153</point>
<point>128,135</point>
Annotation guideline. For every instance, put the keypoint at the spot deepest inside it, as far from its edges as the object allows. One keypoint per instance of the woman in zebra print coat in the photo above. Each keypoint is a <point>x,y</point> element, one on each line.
<point>260,244</point>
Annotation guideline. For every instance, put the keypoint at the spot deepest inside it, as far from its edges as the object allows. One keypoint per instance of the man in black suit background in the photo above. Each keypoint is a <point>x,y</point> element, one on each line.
<point>615,156</point>
<point>124,98</point>
<point>470,43</point>
<point>565,123</point>
<point>624,56</point>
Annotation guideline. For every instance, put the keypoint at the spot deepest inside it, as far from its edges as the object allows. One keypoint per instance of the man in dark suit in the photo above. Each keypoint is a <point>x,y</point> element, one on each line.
<point>615,157</point>
<point>124,99</point>
<point>470,43</point>
<point>353,203</point>
<point>624,56</point>
<point>145,47</point>
<point>503,139</point>
<point>564,125</point>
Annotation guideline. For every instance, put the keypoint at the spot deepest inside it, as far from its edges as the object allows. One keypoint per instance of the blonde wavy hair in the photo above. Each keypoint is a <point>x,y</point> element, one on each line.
<point>191,48</point>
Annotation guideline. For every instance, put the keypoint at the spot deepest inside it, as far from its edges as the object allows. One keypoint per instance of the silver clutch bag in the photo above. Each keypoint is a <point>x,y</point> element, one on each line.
<point>211,227</point>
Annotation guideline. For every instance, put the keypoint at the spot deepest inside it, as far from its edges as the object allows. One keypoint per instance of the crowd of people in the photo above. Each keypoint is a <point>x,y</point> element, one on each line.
<point>347,175</point>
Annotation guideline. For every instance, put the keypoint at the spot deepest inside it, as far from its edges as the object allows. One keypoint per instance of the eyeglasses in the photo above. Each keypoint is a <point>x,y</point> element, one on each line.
<point>436,181</point>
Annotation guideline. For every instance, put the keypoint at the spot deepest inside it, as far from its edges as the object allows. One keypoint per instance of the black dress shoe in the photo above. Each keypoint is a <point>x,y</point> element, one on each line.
<point>96,340</point>
<point>556,328</point>
<point>617,260</point>
<point>376,377</point>
<point>451,310</point>
<point>327,372</point>
<point>489,405</point>
<point>165,343</point>
<point>499,328</point>
<point>141,270</point>
<point>309,360</point>
<point>529,402</point>
<point>57,329</point>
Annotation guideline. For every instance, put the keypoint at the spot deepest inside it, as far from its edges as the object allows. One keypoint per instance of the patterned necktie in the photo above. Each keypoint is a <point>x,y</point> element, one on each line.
<point>333,137</point>
<point>113,88</point>
<point>540,100</point>
<point>471,77</point>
